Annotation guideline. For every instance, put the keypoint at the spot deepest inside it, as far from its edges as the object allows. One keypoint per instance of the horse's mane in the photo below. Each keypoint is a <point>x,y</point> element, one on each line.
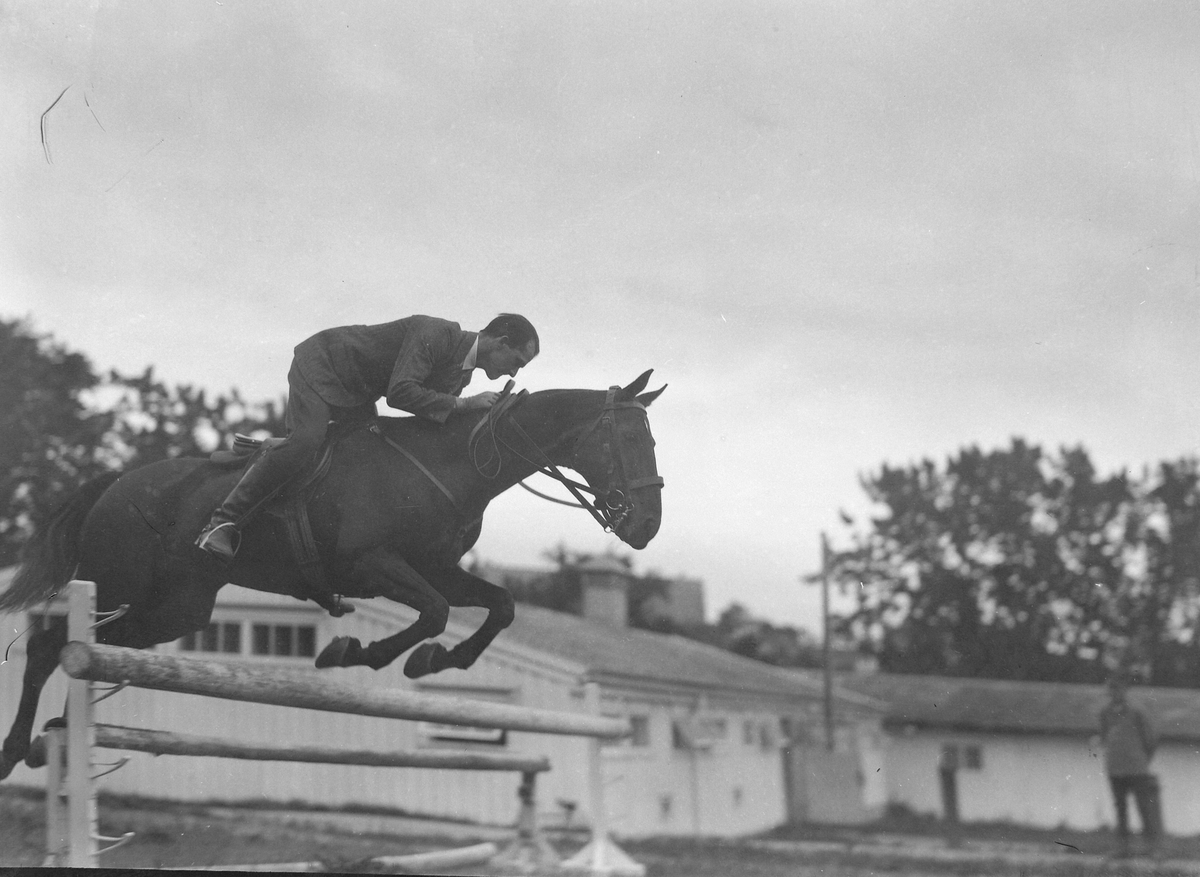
<point>569,404</point>
<point>546,415</point>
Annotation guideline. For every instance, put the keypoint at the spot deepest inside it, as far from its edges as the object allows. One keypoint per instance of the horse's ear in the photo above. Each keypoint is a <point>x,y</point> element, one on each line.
<point>647,398</point>
<point>638,384</point>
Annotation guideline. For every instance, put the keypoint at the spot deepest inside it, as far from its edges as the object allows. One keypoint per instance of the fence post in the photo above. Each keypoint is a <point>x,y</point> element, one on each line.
<point>56,797</point>
<point>601,856</point>
<point>82,822</point>
<point>529,851</point>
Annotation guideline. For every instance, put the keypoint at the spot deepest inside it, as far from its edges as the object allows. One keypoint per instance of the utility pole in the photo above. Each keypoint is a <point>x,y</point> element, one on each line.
<point>826,651</point>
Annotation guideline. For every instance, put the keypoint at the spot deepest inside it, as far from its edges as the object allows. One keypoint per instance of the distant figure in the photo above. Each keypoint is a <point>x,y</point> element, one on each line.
<point>948,782</point>
<point>1129,742</point>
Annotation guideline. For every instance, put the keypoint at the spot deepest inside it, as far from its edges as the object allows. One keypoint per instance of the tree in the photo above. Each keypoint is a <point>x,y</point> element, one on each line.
<point>152,421</point>
<point>1160,611</point>
<point>1006,564</point>
<point>740,632</point>
<point>49,439</point>
<point>61,425</point>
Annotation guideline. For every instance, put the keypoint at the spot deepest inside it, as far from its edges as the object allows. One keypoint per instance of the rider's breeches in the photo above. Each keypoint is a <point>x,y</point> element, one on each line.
<point>307,421</point>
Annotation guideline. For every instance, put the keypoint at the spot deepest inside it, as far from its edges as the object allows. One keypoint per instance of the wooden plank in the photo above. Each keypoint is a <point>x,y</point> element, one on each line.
<point>170,743</point>
<point>279,687</point>
<point>439,860</point>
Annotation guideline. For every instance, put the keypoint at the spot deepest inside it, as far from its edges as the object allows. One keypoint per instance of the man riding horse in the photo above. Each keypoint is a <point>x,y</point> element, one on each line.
<point>419,364</point>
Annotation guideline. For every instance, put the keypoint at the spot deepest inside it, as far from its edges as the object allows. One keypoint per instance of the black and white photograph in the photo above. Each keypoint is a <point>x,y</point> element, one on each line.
<point>559,437</point>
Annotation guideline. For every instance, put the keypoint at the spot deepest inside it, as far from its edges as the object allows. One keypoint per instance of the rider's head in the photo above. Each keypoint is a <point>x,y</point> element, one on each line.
<point>506,345</point>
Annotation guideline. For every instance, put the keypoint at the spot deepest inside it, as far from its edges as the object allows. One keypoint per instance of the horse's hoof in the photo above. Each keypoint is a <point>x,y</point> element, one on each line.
<point>6,766</point>
<point>36,756</point>
<point>337,653</point>
<point>425,659</point>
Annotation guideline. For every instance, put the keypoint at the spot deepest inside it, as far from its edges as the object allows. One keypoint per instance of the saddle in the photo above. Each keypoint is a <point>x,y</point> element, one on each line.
<point>290,505</point>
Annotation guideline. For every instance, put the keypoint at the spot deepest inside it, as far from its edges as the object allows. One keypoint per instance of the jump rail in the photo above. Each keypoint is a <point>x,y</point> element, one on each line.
<point>170,743</point>
<point>72,819</point>
<point>100,663</point>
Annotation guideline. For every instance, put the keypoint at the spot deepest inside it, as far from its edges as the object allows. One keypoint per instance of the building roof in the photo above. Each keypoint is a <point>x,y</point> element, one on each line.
<point>1003,706</point>
<point>643,656</point>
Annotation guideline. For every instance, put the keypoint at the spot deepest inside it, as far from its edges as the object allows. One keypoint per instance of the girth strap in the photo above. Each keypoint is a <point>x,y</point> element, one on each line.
<point>303,544</point>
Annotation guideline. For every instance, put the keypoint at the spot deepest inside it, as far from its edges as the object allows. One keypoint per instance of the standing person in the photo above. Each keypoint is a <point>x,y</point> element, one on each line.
<point>419,364</point>
<point>1129,742</point>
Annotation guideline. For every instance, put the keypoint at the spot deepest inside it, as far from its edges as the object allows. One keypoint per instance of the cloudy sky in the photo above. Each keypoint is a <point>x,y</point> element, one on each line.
<point>844,233</point>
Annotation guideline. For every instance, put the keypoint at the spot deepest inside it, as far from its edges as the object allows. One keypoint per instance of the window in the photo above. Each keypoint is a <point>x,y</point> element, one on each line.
<point>464,734</point>
<point>219,636</point>
<point>961,757</point>
<point>766,739</point>
<point>697,733</point>
<point>973,757</point>
<point>284,640</point>
<point>640,726</point>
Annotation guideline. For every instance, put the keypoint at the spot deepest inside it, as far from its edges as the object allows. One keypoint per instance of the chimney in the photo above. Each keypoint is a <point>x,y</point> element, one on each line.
<point>604,582</point>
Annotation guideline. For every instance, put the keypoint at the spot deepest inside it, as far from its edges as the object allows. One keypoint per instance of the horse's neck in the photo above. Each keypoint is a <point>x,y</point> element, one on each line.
<point>547,424</point>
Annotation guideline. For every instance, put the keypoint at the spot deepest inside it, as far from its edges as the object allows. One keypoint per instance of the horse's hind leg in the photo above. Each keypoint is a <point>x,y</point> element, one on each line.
<point>386,574</point>
<point>460,588</point>
<point>41,658</point>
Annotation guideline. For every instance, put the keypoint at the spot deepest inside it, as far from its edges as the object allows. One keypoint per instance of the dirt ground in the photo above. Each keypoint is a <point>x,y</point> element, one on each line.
<point>192,836</point>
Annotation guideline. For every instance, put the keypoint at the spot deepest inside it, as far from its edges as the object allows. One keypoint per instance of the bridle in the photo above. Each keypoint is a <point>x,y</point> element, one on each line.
<point>611,505</point>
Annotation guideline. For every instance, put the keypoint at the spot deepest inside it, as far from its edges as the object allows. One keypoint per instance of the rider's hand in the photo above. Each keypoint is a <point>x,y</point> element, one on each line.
<point>482,400</point>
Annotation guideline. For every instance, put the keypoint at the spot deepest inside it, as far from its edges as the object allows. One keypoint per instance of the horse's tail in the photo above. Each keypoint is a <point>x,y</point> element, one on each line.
<point>49,558</point>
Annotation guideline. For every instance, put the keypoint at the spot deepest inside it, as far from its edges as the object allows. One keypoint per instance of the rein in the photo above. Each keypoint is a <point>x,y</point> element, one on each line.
<point>614,510</point>
<point>609,515</point>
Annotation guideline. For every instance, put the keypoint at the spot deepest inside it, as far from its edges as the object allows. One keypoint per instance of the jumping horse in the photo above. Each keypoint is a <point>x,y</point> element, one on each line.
<point>400,502</point>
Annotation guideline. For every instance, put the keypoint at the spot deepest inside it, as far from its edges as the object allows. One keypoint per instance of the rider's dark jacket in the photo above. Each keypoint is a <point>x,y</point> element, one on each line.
<point>415,363</point>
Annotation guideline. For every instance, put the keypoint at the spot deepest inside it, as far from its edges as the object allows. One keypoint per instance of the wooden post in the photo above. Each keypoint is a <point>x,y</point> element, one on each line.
<point>530,851</point>
<point>601,856</point>
<point>57,835</point>
<point>82,822</point>
<point>826,650</point>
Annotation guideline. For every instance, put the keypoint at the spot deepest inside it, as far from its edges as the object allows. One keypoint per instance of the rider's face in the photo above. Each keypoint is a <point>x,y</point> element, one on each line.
<point>505,360</point>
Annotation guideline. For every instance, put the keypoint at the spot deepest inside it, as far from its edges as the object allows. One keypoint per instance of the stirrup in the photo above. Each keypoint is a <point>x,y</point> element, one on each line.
<point>205,540</point>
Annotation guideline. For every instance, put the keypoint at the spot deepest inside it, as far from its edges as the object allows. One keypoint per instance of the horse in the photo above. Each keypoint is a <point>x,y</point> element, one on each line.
<point>401,501</point>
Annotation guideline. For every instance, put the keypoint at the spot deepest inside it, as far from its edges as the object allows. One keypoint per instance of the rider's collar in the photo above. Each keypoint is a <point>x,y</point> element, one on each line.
<point>469,362</point>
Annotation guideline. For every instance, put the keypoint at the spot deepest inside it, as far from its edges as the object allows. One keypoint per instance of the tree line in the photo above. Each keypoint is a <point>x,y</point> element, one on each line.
<point>62,424</point>
<point>1012,563</point>
<point>1018,563</point>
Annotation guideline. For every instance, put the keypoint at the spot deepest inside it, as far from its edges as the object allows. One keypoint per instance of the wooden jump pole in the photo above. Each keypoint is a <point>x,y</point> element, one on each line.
<point>113,664</point>
<point>170,743</point>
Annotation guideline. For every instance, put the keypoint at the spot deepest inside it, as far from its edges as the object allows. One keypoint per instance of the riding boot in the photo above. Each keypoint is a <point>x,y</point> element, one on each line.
<point>260,482</point>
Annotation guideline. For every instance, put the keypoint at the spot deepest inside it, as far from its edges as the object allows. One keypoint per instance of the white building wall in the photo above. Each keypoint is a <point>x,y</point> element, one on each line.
<point>732,787</point>
<point>488,797</point>
<point>735,787</point>
<point>1041,780</point>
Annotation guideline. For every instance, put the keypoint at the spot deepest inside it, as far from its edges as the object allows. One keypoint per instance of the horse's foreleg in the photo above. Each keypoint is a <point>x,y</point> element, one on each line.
<point>41,658</point>
<point>463,589</point>
<point>388,575</point>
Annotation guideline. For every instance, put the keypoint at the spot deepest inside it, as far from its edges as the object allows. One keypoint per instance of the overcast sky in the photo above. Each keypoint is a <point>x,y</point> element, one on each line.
<point>844,233</point>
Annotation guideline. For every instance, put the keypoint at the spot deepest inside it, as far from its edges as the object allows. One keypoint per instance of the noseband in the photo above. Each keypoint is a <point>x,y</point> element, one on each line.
<point>612,506</point>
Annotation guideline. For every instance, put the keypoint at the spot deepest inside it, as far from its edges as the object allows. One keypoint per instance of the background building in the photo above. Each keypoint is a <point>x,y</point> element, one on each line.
<point>1027,752</point>
<point>711,751</point>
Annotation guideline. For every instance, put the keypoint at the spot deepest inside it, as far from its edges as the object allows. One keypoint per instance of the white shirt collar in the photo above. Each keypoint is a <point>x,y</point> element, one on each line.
<point>469,362</point>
